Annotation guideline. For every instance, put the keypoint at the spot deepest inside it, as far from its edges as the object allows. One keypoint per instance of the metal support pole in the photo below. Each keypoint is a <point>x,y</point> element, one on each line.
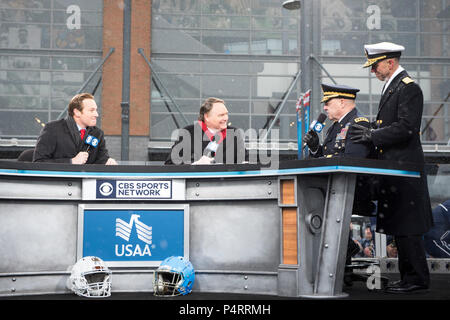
<point>125,104</point>
<point>323,68</point>
<point>158,80</point>
<point>309,44</point>
<point>277,115</point>
<point>84,85</point>
<point>305,52</point>
<point>316,74</point>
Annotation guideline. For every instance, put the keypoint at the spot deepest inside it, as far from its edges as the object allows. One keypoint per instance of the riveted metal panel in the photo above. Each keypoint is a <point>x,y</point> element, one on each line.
<point>37,236</point>
<point>40,188</point>
<point>232,189</point>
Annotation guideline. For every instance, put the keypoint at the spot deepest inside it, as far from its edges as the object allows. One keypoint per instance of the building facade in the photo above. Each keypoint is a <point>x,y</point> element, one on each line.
<point>163,58</point>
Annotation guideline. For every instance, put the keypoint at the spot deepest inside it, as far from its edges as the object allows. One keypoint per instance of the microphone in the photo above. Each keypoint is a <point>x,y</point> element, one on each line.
<point>91,141</point>
<point>317,125</point>
<point>211,148</point>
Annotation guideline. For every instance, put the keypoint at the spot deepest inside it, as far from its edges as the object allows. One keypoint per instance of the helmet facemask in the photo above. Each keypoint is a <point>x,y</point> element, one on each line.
<point>167,283</point>
<point>98,284</point>
<point>175,276</point>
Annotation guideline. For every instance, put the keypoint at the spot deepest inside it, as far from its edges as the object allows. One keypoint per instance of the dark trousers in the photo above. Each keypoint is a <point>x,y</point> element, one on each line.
<point>412,262</point>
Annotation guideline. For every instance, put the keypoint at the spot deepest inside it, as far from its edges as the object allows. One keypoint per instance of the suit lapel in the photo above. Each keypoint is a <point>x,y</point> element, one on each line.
<point>391,89</point>
<point>348,116</point>
<point>384,98</point>
<point>335,128</point>
<point>72,130</point>
<point>330,133</point>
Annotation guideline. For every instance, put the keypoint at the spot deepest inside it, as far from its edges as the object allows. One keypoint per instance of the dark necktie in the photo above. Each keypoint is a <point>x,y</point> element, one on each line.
<point>82,133</point>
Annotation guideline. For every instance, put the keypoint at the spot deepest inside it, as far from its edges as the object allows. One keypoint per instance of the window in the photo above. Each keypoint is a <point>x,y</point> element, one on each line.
<point>48,49</point>
<point>245,52</point>
<point>419,25</point>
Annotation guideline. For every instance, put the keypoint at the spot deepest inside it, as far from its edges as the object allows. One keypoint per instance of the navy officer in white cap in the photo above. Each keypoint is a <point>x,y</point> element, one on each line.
<point>339,104</point>
<point>404,208</point>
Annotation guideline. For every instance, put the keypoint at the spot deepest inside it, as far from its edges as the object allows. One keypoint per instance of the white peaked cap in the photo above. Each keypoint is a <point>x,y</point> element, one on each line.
<point>380,51</point>
<point>383,47</point>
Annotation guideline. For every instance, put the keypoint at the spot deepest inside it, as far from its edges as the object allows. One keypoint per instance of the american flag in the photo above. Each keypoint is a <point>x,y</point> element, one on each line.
<point>299,104</point>
<point>303,100</point>
<point>306,98</point>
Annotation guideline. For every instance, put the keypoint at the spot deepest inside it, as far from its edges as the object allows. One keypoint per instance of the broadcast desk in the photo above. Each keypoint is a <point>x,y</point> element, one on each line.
<point>245,228</point>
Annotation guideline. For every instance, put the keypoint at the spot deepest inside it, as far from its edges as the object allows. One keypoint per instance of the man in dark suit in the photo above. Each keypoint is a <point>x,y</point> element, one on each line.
<point>210,139</point>
<point>64,140</point>
<point>341,109</point>
<point>404,208</point>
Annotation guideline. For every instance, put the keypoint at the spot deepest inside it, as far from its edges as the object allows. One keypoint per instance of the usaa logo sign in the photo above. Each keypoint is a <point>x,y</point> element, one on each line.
<point>126,235</point>
<point>144,233</point>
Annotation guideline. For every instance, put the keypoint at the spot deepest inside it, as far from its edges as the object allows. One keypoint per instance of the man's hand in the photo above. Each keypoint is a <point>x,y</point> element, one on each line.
<point>204,160</point>
<point>80,158</point>
<point>361,133</point>
<point>312,140</point>
<point>111,162</point>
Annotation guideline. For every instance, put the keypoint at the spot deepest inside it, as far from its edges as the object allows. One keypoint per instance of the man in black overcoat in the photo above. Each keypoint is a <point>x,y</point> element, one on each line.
<point>210,139</point>
<point>64,140</point>
<point>404,208</point>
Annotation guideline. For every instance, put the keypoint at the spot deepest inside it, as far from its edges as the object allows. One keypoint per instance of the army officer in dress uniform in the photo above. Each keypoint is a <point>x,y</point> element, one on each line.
<point>340,107</point>
<point>404,208</point>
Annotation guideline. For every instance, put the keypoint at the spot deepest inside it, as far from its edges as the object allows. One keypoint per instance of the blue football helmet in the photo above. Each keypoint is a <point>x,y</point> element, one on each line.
<point>175,276</point>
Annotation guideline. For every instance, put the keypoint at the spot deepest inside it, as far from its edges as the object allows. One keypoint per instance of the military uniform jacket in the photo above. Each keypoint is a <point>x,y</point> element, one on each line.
<point>337,142</point>
<point>403,203</point>
<point>60,141</point>
<point>398,121</point>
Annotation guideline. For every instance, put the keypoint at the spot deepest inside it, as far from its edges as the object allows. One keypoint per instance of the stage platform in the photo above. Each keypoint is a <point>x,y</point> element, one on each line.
<point>439,290</point>
<point>253,233</point>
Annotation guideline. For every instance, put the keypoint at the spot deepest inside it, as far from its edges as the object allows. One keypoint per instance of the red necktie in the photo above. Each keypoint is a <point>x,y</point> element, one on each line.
<point>82,133</point>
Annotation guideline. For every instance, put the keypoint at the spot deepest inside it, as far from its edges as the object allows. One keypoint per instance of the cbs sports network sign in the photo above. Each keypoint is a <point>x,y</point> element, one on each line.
<point>133,189</point>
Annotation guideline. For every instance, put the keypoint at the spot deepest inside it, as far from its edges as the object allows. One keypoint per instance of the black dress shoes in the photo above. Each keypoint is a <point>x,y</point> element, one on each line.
<point>406,288</point>
<point>394,284</point>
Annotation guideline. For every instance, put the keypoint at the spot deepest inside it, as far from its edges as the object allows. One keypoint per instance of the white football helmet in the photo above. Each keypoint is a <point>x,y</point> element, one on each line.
<point>90,277</point>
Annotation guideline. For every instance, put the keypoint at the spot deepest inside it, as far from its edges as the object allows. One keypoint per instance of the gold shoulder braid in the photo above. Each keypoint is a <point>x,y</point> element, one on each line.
<point>361,119</point>
<point>407,80</point>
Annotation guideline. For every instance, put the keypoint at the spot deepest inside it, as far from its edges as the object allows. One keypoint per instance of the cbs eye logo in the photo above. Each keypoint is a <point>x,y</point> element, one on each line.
<point>106,189</point>
<point>94,142</point>
<point>318,127</point>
